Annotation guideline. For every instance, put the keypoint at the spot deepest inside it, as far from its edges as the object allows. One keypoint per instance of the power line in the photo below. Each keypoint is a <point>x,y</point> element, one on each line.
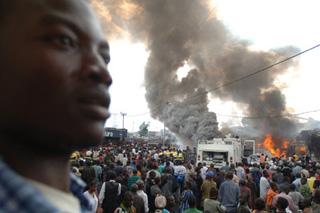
<point>271,116</point>
<point>133,115</point>
<point>295,115</point>
<point>267,68</point>
<point>256,72</point>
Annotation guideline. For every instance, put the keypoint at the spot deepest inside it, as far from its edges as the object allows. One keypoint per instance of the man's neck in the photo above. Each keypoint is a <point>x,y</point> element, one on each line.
<point>52,170</point>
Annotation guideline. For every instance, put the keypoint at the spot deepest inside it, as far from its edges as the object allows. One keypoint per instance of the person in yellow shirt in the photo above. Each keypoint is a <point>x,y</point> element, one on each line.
<point>311,180</point>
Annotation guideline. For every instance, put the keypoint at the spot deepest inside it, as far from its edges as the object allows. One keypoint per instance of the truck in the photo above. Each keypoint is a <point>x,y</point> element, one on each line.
<point>219,151</point>
<point>249,148</point>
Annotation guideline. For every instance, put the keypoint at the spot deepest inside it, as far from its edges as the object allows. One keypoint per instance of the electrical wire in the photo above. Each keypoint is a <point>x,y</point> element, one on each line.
<point>267,68</point>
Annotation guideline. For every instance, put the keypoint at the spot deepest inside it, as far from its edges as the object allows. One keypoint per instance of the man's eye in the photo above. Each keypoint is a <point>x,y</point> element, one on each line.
<point>60,41</point>
<point>65,41</point>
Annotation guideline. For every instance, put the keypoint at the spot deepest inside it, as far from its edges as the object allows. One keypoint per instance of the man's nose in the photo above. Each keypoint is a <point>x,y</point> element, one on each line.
<point>95,69</point>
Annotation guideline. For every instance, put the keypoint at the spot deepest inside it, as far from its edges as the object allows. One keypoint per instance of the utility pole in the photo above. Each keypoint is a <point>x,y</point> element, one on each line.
<point>164,130</point>
<point>123,114</point>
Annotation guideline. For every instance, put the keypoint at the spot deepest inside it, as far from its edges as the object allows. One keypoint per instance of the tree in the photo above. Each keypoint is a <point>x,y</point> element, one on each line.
<point>143,129</point>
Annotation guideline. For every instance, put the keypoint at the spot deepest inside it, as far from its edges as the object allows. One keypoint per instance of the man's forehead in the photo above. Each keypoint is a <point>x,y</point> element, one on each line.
<point>77,11</point>
<point>27,9</point>
<point>48,4</point>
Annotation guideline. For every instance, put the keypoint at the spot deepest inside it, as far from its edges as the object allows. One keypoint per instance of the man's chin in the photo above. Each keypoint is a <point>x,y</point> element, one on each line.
<point>85,144</point>
<point>83,134</point>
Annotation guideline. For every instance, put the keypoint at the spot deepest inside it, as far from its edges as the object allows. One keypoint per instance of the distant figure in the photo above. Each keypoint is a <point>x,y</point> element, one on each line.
<point>133,178</point>
<point>306,207</point>
<point>316,202</point>
<point>243,207</point>
<point>304,188</point>
<point>184,204</point>
<point>259,206</point>
<point>160,204</point>
<point>229,194</point>
<point>211,204</point>
<point>284,194</point>
<point>264,184</point>
<point>295,195</point>
<point>272,192</point>
<point>207,184</point>
<point>143,195</point>
<point>245,190</point>
<point>126,205</point>
<point>282,206</point>
<point>90,194</point>
<point>192,206</point>
<point>137,200</point>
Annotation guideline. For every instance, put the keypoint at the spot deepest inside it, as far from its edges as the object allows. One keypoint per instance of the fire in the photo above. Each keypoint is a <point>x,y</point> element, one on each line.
<point>303,150</point>
<point>285,144</point>
<point>269,145</point>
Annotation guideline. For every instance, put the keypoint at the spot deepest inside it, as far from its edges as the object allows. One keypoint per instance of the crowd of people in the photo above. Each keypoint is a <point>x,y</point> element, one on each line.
<point>54,89</point>
<point>137,178</point>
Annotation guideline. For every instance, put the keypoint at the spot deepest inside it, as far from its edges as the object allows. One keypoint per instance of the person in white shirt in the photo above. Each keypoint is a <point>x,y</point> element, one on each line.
<point>143,195</point>
<point>203,171</point>
<point>264,184</point>
<point>91,195</point>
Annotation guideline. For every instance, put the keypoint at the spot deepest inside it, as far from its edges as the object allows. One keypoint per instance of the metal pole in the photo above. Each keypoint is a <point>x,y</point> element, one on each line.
<point>164,129</point>
<point>123,114</point>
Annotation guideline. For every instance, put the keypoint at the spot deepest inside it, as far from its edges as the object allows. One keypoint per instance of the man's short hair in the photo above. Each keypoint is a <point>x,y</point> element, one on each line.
<point>292,187</point>
<point>303,181</point>
<point>316,197</point>
<point>259,204</point>
<point>305,203</point>
<point>214,193</point>
<point>134,188</point>
<point>242,183</point>
<point>192,201</point>
<point>140,184</point>
<point>265,173</point>
<point>111,175</point>
<point>229,175</point>
<point>282,203</point>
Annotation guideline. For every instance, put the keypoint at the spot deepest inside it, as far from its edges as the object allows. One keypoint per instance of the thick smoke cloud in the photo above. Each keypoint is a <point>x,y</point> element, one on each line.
<point>187,31</point>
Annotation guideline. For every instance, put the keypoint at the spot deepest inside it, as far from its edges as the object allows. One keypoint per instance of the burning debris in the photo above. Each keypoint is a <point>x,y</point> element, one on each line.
<point>271,144</point>
<point>303,150</point>
<point>312,140</point>
<point>279,146</point>
<point>178,32</point>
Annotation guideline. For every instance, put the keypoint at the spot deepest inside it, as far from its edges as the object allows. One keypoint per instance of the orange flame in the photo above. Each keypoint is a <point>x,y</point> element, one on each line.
<point>285,144</point>
<point>303,150</point>
<point>269,145</point>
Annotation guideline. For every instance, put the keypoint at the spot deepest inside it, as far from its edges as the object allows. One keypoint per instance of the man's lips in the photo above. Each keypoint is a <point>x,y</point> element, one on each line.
<point>95,105</point>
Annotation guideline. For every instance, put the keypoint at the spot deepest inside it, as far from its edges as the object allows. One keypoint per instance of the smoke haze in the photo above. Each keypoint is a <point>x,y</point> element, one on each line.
<point>187,31</point>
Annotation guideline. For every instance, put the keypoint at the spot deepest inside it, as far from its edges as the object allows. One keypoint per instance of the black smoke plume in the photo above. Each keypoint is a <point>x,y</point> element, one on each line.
<point>188,31</point>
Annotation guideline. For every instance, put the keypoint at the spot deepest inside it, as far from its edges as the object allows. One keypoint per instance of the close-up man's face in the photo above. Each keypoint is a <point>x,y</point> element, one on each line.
<point>54,79</point>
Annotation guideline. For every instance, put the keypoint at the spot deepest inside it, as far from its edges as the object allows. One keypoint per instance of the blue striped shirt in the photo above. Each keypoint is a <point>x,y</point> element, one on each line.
<point>18,196</point>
